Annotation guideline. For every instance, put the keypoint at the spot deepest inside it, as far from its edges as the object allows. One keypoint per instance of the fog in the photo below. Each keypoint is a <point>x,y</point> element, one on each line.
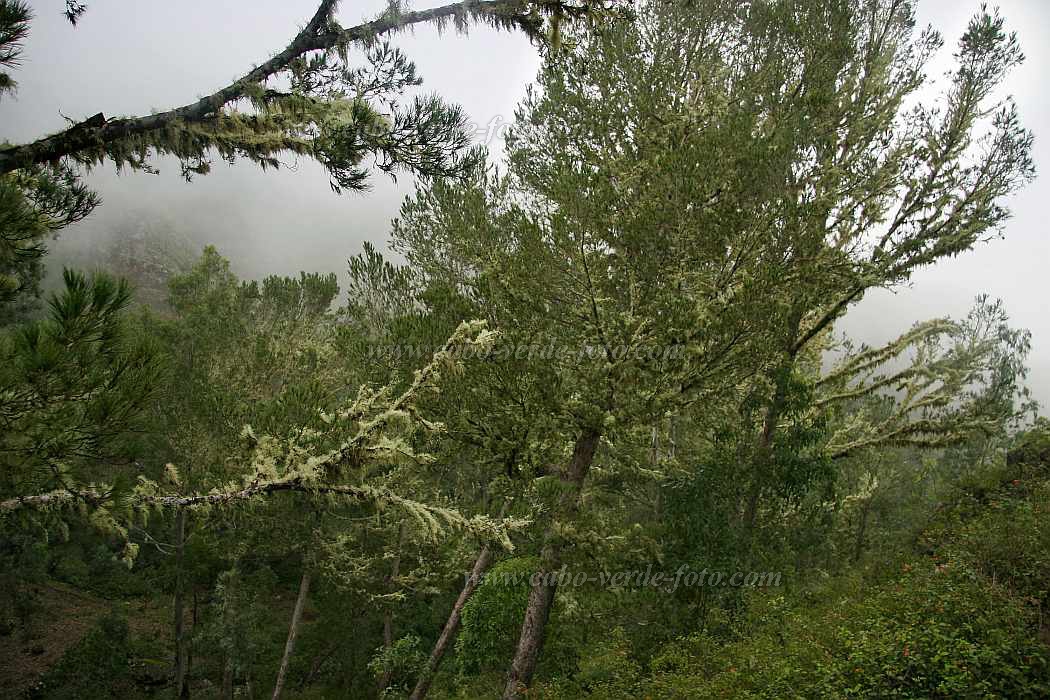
<point>128,58</point>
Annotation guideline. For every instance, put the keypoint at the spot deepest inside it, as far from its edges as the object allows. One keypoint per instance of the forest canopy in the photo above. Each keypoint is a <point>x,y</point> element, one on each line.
<point>585,424</point>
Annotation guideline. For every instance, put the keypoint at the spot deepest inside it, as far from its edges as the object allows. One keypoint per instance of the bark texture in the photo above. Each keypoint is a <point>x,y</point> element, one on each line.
<point>388,615</point>
<point>293,632</point>
<point>181,642</point>
<point>451,628</point>
<point>541,595</point>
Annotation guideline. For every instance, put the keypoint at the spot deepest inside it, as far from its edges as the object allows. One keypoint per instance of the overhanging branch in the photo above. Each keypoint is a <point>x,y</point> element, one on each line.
<point>320,34</point>
<point>65,497</point>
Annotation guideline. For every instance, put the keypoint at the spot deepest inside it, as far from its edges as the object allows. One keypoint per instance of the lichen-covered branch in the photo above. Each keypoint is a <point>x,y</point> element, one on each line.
<point>321,34</point>
<point>301,463</point>
<point>934,386</point>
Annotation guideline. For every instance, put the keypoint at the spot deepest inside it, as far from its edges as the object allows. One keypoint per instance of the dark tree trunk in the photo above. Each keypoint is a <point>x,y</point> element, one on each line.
<point>227,677</point>
<point>764,451</point>
<point>181,642</point>
<point>293,632</point>
<point>763,454</point>
<point>541,595</point>
<point>189,637</point>
<point>451,628</point>
<point>388,616</point>
<point>534,627</point>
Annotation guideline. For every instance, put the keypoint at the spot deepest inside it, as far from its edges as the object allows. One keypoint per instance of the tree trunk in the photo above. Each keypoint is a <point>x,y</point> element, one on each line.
<point>672,445</point>
<point>293,632</point>
<point>227,677</point>
<point>541,595</point>
<point>319,662</point>
<point>763,453</point>
<point>534,627</point>
<point>194,619</point>
<point>388,615</point>
<point>181,647</point>
<point>451,628</point>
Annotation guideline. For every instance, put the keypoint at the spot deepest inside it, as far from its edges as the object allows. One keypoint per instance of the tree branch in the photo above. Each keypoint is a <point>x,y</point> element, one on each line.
<point>63,497</point>
<point>830,315</point>
<point>320,34</point>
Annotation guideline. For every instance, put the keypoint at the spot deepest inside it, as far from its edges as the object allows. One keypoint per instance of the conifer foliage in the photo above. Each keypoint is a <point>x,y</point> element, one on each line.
<point>617,350</point>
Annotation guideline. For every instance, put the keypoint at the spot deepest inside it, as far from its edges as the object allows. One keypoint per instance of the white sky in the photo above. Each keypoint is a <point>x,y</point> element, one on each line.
<point>127,57</point>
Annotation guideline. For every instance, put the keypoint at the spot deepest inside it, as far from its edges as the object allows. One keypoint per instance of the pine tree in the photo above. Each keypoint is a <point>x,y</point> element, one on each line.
<point>725,181</point>
<point>309,99</point>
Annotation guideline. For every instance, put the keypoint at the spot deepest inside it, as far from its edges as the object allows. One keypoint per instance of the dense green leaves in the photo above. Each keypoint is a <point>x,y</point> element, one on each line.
<point>614,352</point>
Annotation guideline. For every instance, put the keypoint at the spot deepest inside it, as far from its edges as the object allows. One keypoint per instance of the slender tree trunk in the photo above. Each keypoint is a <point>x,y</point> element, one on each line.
<point>451,628</point>
<point>541,595</point>
<point>762,463</point>
<point>227,677</point>
<point>388,615</point>
<point>194,619</point>
<point>181,647</point>
<point>293,632</point>
<point>763,454</point>
<point>764,449</point>
<point>534,626</point>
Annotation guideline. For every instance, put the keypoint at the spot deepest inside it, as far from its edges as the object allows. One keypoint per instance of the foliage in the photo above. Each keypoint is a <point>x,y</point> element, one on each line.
<point>34,203</point>
<point>94,667</point>
<point>962,620</point>
<point>490,617</point>
<point>74,386</point>
<point>307,100</point>
<point>14,27</point>
<point>615,351</point>
<point>403,660</point>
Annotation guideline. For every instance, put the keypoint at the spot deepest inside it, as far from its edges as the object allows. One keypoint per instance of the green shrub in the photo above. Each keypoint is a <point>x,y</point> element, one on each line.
<point>607,670</point>
<point>95,667</point>
<point>940,632</point>
<point>491,622</point>
<point>403,660</point>
<point>492,617</point>
<point>69,566</point>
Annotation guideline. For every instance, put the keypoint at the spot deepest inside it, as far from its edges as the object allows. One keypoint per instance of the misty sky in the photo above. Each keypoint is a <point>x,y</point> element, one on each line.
<point>127,57</point>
